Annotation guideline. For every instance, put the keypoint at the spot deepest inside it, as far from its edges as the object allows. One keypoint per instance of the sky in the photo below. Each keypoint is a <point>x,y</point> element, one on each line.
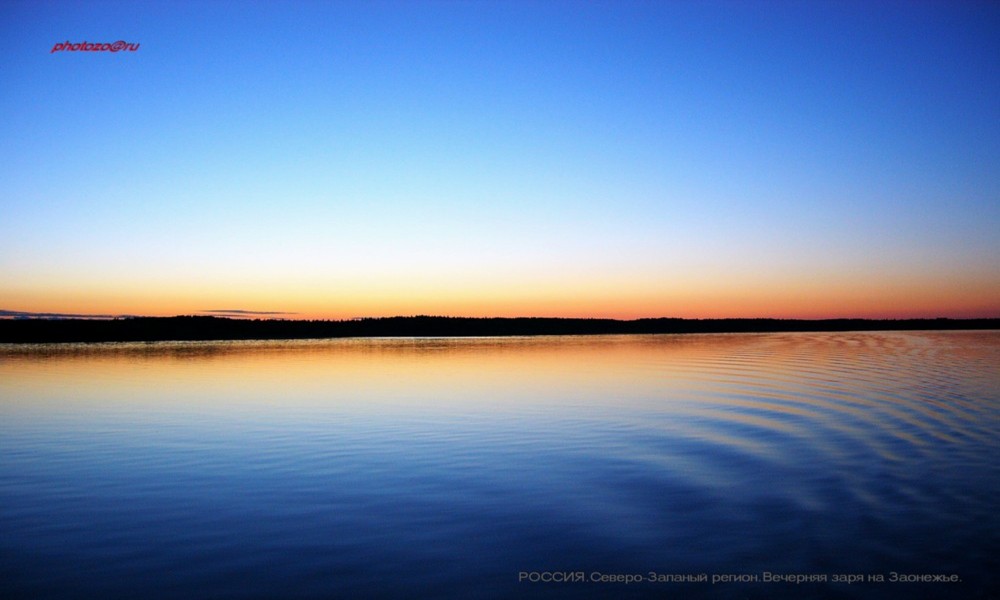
<point>523,158</point>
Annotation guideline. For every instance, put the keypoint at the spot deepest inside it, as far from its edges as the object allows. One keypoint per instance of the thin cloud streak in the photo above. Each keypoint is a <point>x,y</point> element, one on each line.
<point>238,312</point>
<point>20,314</point>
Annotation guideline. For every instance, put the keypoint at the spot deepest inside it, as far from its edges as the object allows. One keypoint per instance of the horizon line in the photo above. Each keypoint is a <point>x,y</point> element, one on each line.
<point>246,315</point>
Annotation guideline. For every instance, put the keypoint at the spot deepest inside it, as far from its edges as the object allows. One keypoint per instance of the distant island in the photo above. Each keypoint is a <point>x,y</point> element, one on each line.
<point>204,328</point>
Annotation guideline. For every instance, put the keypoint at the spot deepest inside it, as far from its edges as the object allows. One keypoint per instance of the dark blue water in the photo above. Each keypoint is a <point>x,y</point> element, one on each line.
<point>458,468</point>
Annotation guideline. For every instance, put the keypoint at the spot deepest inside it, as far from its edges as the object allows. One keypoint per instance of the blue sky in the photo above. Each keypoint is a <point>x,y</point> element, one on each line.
<point>577,158</point>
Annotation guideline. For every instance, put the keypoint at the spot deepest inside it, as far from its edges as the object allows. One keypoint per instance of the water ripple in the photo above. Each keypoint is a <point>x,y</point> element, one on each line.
<point>388,468</point>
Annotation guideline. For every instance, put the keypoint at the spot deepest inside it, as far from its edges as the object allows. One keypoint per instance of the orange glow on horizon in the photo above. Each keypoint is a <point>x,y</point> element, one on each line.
<point>623,295</point>
<point>616,304</point>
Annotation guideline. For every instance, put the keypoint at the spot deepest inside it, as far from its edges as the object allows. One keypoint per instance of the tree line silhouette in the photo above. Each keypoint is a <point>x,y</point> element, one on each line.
<point>196,328</point>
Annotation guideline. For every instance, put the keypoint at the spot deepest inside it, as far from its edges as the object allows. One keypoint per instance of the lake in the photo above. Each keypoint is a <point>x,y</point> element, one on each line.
<point>835,465</point>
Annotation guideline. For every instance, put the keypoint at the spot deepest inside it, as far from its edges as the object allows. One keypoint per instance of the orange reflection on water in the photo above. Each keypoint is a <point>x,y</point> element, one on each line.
<point>498,373</point>
<point>824,387</point>
<point>890,395</point>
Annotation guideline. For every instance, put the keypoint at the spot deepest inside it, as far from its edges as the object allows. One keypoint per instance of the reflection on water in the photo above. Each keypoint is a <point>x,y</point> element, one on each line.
<point>445,467</point>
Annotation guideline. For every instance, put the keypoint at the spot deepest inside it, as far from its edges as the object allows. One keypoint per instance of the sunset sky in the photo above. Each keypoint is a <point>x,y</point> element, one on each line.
<point>606,159</point>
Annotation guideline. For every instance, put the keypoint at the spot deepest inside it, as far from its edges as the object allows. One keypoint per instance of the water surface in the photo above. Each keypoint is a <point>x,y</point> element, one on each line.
<point>455,467</point>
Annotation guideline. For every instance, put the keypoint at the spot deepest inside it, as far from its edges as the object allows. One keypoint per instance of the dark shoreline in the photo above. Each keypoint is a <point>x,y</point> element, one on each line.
<point>203,328</point>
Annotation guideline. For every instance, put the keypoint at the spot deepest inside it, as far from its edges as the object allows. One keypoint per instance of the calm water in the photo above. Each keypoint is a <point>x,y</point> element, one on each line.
<point>447,467</point>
